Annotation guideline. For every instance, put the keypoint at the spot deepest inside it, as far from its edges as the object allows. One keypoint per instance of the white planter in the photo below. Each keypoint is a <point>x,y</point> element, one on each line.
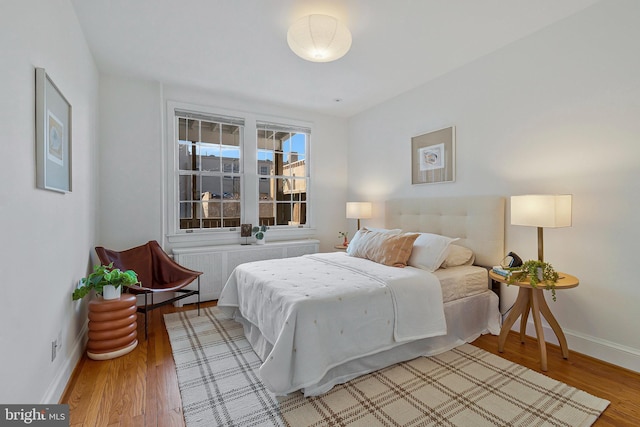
<point>260,241</point>
<point>111,292</point>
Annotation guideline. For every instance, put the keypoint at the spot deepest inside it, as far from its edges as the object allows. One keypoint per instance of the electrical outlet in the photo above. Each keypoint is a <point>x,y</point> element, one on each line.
<point>54,347</point>
<point>59,342</point>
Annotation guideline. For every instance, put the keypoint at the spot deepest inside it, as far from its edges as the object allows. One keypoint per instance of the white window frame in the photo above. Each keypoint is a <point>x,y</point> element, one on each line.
<point>290,129</point>
<point>249,180</point>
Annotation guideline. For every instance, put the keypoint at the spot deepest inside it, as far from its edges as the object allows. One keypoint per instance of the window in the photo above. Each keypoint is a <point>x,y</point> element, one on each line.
<point>283,174</point>
<point>209,178</point>
<point>226,170</point>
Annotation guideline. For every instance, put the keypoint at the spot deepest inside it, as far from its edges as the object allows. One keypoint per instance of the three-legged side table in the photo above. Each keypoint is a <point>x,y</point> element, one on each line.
<point>532,299</point>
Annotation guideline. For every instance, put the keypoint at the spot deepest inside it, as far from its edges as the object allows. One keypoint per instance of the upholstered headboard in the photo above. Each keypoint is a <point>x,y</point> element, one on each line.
<point>478,221</point>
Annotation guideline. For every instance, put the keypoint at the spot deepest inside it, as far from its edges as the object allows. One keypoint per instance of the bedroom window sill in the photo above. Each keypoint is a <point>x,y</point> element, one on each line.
<point>233,237</point>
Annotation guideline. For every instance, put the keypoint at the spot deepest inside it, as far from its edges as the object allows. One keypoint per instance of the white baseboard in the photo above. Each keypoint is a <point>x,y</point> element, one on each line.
<point>607,351</point>
<point>59,383</point>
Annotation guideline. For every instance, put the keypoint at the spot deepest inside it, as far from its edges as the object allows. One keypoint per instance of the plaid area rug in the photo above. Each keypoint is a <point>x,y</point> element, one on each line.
<point>220,386</point>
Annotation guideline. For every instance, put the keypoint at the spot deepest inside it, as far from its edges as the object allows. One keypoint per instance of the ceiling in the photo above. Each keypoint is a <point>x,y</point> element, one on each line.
<point>239,47</point>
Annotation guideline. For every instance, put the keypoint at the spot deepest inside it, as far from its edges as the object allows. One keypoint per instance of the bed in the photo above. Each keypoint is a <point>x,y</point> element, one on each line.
<point>322,319</point>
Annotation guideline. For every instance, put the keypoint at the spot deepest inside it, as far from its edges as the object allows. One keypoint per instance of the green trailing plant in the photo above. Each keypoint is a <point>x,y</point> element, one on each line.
<point>259,231</point>
<point>104,275</point>
<point>536,272</point>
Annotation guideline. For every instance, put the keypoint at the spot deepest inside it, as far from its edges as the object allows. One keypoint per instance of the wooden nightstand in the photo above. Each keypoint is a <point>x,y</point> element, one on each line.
<point>341,247</point>
<point>533,298</point>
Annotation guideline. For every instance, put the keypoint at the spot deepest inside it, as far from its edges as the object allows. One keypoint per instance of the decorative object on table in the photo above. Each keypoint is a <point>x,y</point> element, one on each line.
<point>359,210</point>
<point>53,136</point>
<point>106,281</point>
<point>433,157</point>
<point>245,231</point>
<point>541,210</point>
<point>319,38</point>
<point>345,237</point>
<point>511,260</point>
<point>260,232</point>
<point>535,272</point>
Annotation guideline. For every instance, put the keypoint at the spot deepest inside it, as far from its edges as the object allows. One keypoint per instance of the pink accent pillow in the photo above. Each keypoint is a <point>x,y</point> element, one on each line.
<point>384,248</point>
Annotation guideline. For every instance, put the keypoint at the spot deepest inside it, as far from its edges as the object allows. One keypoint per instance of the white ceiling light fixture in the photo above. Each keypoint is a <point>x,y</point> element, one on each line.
<point>319,38</point>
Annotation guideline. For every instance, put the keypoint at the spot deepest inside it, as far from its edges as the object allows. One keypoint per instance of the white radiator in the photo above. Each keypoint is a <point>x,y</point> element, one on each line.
<point>217,262</point>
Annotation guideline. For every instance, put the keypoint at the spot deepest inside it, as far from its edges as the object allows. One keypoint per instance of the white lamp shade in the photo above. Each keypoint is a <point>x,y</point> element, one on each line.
<point>359,210</point>
<point>541,210</point>
<point>319,38</point>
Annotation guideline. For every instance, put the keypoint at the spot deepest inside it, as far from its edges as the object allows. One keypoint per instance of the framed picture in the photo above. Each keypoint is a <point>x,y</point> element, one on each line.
<point>53,136</point>
<point>433,157</point>
<point>245,230</point>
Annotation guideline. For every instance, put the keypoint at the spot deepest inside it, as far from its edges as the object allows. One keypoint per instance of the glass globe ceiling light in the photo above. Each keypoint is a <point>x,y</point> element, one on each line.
<point>319,38</point>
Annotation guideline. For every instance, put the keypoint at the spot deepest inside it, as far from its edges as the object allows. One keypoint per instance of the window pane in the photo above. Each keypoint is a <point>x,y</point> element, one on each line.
<point>231,153</point>
<point>299,144</point>
<point>294,167</point>
<point>210,206</point>
<point>188,130</point>
<point>192,130</point>
<point>231,188</point>
<point>266,213</point>
<point>186,160</point>
<point>182,129</point>
<point>266,140</point>
<point>283,189</point>
<point>300,213</point>
<point>292,213</point>
<point>265,162</point>
<point>231,210</point>
<point>188,215</point>
<point>296,187</point>
<point>231,135</point>
<point>210,132</point>
<point>188,187</point>
<point>211,187</point>
<point>209,157</point>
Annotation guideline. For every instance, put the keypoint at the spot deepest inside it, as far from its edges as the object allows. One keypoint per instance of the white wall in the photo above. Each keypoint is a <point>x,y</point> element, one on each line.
<point>556,112</point>
<point>130,203</point>
<point>47,236</point>
<point>131,139</point>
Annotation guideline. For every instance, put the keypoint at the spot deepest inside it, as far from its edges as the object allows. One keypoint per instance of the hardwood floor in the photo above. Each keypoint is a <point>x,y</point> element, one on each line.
<point>137,389</point>
<point>141,388</point>
<point>619,386</point>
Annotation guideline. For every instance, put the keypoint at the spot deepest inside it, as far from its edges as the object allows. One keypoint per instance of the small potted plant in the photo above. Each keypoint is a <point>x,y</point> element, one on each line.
<point>259,232</point>
<point>106,281</point>
<point>535,272</point>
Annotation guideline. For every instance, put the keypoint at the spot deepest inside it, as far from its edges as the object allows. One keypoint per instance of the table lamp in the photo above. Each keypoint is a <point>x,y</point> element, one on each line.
<point>359,210</point>
<point>541,210</point>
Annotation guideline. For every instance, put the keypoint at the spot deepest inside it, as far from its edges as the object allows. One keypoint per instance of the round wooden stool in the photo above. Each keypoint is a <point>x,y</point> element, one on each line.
<point>113,329</point>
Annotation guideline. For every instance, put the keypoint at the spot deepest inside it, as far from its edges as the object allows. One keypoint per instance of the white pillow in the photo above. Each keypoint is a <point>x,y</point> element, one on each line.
<point>458,255</point>
<point>430,251</point>
<point>354,245</point>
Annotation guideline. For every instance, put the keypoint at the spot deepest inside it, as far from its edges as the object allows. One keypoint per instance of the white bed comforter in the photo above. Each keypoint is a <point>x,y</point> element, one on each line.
<point>319,311</point>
